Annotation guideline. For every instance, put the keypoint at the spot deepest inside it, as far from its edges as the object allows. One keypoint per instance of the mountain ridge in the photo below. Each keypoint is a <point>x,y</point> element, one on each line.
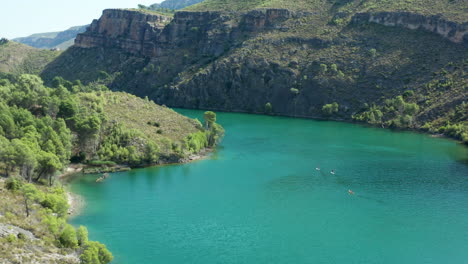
<point>291,62</point>
<point>50,40</point>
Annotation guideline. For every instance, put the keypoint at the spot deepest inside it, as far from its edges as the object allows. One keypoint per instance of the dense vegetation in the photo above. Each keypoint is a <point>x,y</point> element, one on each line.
<point>43,128</point>
<point>42,211</point>
<point>455,10</point>
<point>315,62</point>
<point>426,109</point>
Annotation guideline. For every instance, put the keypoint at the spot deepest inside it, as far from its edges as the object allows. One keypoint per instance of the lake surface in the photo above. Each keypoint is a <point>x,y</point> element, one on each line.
<point>259,199</point>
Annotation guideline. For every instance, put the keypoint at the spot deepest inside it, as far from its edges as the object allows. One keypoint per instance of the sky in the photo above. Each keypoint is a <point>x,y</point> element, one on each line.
<point>21,18</point>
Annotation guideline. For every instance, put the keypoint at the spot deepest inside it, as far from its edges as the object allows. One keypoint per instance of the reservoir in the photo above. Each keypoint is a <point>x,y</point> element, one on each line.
<point>259,198</point>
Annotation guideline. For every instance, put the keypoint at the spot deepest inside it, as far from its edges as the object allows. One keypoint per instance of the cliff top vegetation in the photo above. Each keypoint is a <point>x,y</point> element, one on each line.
<point>455,10</point>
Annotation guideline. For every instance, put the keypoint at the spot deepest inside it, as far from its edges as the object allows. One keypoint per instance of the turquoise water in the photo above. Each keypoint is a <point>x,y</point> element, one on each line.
<point>259,199</point>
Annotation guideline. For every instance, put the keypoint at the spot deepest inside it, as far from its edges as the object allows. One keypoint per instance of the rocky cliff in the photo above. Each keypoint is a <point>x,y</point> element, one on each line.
<point>153,35</point>
<point>272,60</point>
<point>455,32</point>
<point>124,29</point>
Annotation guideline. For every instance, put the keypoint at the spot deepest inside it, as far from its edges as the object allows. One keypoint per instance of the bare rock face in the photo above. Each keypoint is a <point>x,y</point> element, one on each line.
<point>6,230</point>
<point>156,35</point>
<point>258,20</point>
<point>454,32</point>
<point>125,29</point>
<point>229,61</point>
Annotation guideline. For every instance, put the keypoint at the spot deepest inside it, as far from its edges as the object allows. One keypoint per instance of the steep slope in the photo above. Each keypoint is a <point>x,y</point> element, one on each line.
<point>60,40</point>
<point>16,58</point>
<point>293,58</point>
<point>177,4</point>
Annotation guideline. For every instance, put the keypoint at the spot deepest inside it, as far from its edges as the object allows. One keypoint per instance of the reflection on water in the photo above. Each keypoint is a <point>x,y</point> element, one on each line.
<point>259,199</point>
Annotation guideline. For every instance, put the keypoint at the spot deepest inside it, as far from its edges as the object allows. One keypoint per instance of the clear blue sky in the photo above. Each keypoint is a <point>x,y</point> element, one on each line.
<point>20,18</point>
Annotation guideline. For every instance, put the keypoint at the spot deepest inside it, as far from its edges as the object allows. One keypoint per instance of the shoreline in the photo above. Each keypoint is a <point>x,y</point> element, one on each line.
<point>77,203</point>
<point>418,130</point>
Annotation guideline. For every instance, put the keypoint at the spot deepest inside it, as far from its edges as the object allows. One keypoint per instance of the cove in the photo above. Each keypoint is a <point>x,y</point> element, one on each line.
<point>259,199</point>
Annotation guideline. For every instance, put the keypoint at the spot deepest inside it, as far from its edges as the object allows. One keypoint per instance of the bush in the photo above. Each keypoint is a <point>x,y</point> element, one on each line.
<point>13,184</point>
<point>294,91</point>
<point>82,235</point>
<point>408,93</point>
<point>57,202</point>
<point>11,238</point>
<point>68,237</point>
<point>156,124</point>
<point>330,109</point>
<point>53,223</point>
<point>323,68</point>
<point>95,253</point>
<point>21,236</point>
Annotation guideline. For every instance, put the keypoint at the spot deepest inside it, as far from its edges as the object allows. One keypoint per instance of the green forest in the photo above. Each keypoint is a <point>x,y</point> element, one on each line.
<point>43,129</point>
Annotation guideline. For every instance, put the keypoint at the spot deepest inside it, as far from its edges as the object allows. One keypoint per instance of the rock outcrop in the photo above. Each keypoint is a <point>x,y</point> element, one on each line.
<point>6,230</point>
<point>153,35</point>
<point>454,32</point>
<point>124,29</point>
<point>291,61</point>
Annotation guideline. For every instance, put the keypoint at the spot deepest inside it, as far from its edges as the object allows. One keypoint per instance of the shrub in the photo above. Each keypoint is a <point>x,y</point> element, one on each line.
<point>197,141</point>
<point>68,237</point>
<point>82,235</point>
<point>330,109</point>
<point>408,93</point>
<point>411,109</point>
<point>294,91</point>
<point>13,184</point>
<point>11,238</point>
<point>323,68</point>
<point>21,236</point>
<point>95,253</point>
<point>56,202</point>
<point>53,223</point>
<point>156,124</point>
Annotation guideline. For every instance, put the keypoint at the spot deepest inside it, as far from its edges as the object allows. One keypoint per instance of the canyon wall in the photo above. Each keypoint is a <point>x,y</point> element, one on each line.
<point>454,32</point>
<point>243,61</point>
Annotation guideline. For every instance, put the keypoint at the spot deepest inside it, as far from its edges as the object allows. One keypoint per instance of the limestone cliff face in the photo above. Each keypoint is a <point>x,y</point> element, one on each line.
<point>242,61</point>
<point>257,20</point>
<point>455,32</point>
<point>124,29</point>
<point>156,35</point>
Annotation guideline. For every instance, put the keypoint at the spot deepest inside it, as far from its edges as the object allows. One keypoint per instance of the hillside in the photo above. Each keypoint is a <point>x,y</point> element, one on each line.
<point>60,40</point>
<point>456,10</point>
<point>17,58</point>
<point>178,4</point>
<point>341,60</point>
<point>43,129</point>
<point>171,5</point>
